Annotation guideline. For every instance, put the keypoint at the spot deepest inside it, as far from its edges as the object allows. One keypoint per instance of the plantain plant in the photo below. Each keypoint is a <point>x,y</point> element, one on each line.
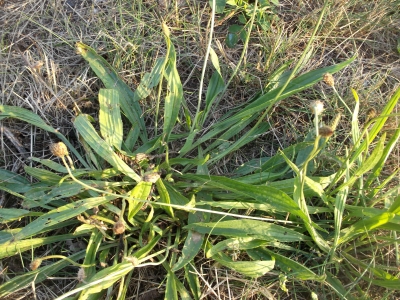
<point>139,204</point>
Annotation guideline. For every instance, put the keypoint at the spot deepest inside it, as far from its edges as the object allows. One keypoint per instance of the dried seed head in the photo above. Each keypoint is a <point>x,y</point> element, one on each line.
<point>151,177</point>
<point>329,80</point>
<point>325,131</point>
<point>133,260</point>
<point>140,157</point>
<point>81,274</point>
<point>317,107</point>
<point>59,149</point>
<point>35,264</point>
<point>336,121</point>
<point>119,227</point>
<point>371,113</point>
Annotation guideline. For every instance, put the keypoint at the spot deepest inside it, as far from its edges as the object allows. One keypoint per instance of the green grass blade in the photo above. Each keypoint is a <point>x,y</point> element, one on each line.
<point>89,134</point>
<point>367,165</point>
<point>390,146</point>
<point>110,117</point>
<point>364,226</point>
<point>378,125</point>
<point>32,118</point>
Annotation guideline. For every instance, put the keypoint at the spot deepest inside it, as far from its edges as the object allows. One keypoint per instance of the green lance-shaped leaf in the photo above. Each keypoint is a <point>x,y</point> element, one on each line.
<point>102,148</point>
<point>249,228</point>
<point>141,192</point>
<point>110,117</point>
<point>164,197</point>
<point>365,226</point>
<point>193,242</point>
<point>291,267</point>
<point>128,99</point>
<point>7,250</point>
<point>263,194</point>
<point>32,118</point>
<point>253,269</point>
<point>175,91</point>
<point>60,214</point>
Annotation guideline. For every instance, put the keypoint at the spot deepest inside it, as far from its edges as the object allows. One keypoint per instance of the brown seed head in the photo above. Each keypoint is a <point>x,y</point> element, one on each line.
<point>140,157</point>
<point>35,264</point>
<point>371,113</point>
<point>329,80</point>
<point>59,149</point>
<point>119,227</point>
<point>81,275</point>
<point>325,131</point>
<point>151,177</point>
<point>335,122</point>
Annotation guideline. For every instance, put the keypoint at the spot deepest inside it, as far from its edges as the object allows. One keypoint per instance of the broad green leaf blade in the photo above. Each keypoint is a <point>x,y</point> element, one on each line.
<point>175,91</point>
<point>60,214</point>
<point>193,241</point>
<point>287,265</point>
<point>263,194</point>
<point>193,281</point>
<point>249,228</point>
<point>11,214</point>
<point>164,197</point>
<point>235,244</point>
<point>42,196</point>
<point>110,117</point>
<point>128,100</point>
<point>219,5</point>
<point>215,87</point>
<point>89,134</point>
<point>253,269</point>
<point>43,175</point>
<point>140,192</point>
<point>32,118</point>
<point>171,290</point>
<point>7,250</point>
<point>101,280</point>
<point>11,177</point>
